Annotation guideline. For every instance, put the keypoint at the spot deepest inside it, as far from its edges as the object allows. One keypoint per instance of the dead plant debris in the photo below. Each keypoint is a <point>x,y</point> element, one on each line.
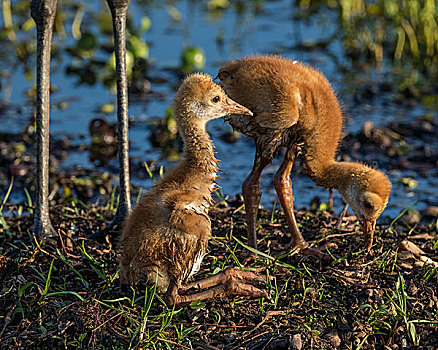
<point>67,294</point>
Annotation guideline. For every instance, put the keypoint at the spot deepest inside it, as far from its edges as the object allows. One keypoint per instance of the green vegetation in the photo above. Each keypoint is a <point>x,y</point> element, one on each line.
<point>69,295</point>
<point>192,60</point>
<point>399,35</point>
<point>403,30</point>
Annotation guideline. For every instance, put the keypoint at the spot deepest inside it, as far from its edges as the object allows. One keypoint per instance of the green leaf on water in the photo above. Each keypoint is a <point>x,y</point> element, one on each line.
<point>408,182</point>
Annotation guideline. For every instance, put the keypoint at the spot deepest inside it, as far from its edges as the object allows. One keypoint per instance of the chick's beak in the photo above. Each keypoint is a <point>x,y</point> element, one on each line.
<point>368,227</point>
<point>232,107</point>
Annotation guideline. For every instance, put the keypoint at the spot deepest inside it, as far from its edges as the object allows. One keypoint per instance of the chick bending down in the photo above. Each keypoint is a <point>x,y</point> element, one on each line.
<point>295,108</point>
<point>166,236</point>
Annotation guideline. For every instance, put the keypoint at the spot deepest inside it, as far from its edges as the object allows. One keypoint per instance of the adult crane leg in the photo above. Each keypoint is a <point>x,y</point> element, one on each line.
<point>252,194</point>
<point>119,10</point>
<point>43,12</point>
<point>283,186</point>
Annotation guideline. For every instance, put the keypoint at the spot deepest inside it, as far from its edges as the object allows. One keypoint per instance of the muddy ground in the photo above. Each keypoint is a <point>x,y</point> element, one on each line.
<point>67,294</point>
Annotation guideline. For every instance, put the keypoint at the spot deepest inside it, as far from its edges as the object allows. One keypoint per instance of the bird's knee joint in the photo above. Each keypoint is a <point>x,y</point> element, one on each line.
<point>232,287</point>
<point>42,12</point>
<point>282,181</point>
<point>231,283</point>
<point>172,296</point>
<point>232,275</point>
<point>172,299</point>
<point>229,272</point>
<point>118,6</point>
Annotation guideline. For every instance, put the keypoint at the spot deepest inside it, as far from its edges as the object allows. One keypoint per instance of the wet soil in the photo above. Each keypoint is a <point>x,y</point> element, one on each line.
<point>67,293</point>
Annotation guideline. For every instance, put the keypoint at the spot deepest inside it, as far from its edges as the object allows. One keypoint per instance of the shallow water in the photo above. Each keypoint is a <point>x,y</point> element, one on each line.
<point>274,27</point>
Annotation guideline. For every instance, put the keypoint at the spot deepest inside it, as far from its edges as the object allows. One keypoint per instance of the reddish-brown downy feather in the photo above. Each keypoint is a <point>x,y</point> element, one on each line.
<point>295,107</point>
<point>166,236</point>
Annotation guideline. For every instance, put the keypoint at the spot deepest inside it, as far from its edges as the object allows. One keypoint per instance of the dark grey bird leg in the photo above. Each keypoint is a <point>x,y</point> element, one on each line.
<point>231,282</point>
<point>252,194</point>
<point>118,12</point>
<point>43,12</point>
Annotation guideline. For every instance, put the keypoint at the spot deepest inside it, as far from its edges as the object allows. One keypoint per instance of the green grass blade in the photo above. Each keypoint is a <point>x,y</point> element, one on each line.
<point>49,276</point>
<point>5,198</point>
<point>29,201</point>
<point>151,175</point>
<point>274,260</point>
<point>65,292</point>
<point>401,214</point>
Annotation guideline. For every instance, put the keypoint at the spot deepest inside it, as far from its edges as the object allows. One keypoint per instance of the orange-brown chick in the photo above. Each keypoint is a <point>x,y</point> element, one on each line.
<point>165,238</point>
<point>295,107</point>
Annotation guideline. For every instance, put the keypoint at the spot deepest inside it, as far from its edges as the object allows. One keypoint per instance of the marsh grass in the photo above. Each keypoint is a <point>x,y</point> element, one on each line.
<point>69,295</point>
<point>402,30</point>
<point>399,38</point>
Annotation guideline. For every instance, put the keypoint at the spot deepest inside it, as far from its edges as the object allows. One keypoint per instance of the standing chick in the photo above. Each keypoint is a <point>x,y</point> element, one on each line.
<point>295,107</point>
<point>165,238</point>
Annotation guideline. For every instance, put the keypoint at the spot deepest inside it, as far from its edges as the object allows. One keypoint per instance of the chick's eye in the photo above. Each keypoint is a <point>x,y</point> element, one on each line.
<point>215,99</point>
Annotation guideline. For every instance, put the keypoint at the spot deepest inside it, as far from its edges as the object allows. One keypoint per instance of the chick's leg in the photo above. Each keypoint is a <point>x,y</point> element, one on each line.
<point>252,194</point>
<point>343,212</point>
<point>341,217</point>
<point>283,186</point>
<point>230,273</point>
<point>229,283</point>
<point>332,209</point>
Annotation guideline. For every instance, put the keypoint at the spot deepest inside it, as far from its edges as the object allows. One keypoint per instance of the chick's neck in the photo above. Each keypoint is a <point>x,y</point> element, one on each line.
<point>198,147</point>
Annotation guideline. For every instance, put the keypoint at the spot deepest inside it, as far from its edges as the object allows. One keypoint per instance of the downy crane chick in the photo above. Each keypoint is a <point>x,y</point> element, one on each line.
<point>165,238</point>
<point>295,107</point>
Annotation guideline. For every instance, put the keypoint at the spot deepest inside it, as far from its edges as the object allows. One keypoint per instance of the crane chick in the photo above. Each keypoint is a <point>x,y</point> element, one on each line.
<point>295,107</point>
<point>165,238</point>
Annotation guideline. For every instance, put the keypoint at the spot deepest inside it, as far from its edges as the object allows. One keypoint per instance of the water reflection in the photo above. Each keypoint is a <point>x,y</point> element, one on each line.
<point>358,49</point>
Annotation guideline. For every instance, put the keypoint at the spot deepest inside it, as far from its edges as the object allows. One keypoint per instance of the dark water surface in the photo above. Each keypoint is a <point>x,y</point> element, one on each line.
<point>263,27</point>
